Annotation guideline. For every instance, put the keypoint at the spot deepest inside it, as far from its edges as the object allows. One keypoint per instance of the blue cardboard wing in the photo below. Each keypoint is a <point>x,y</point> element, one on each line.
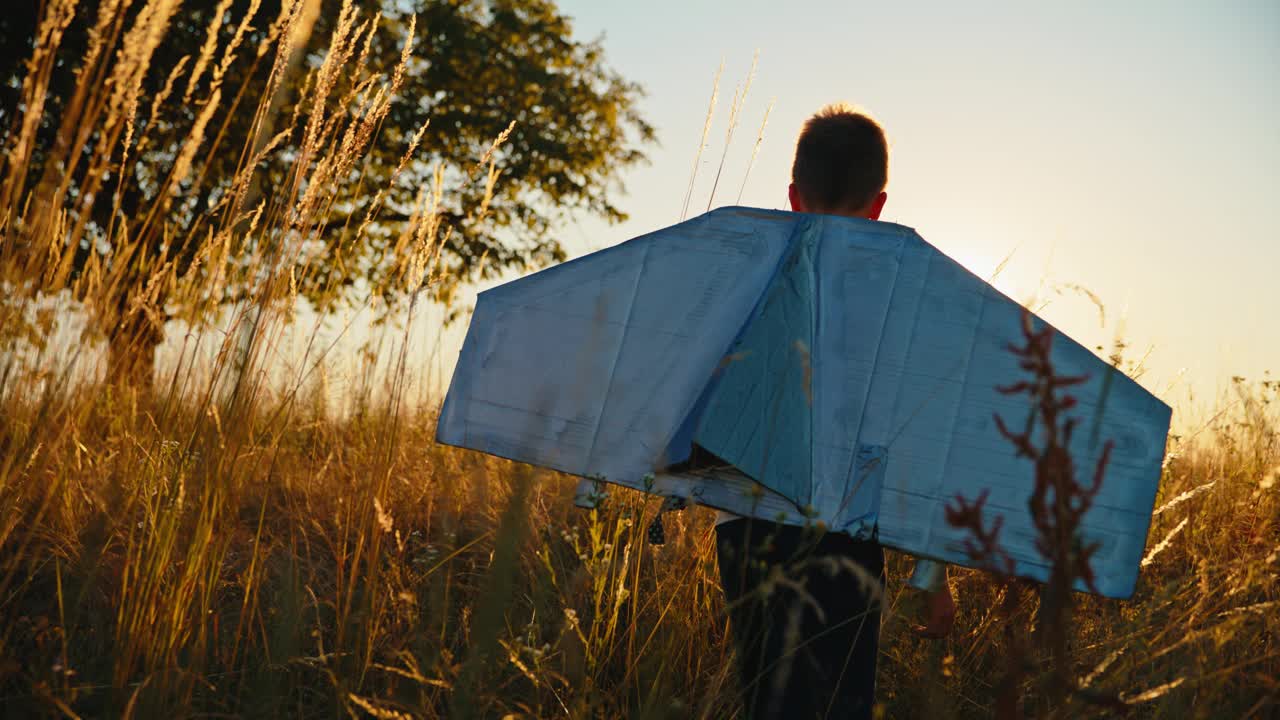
<point>843,370</point>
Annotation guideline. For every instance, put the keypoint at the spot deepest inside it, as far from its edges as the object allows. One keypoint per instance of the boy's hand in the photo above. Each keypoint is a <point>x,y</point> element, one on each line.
<point>938,613</point>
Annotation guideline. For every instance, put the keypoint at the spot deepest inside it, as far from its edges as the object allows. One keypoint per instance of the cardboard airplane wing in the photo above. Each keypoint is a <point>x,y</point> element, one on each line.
<point>843,370</point>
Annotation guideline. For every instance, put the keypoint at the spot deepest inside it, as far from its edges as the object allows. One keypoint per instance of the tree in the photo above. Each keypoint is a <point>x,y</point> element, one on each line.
<point>482,70</point>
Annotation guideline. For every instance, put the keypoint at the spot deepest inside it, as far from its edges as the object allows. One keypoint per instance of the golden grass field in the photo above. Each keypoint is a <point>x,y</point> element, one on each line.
<point>226,544</point>
<point>177,563</point>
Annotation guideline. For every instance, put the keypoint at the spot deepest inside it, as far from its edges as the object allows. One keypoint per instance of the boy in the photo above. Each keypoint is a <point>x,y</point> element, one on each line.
<point>804,605</point>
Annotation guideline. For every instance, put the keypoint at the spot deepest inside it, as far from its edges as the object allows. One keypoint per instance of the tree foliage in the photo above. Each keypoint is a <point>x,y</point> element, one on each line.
<point>480,70</point>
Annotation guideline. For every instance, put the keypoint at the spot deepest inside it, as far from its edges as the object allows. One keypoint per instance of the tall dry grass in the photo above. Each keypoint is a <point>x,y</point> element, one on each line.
<point>226,546</point>
<point>323,566</point>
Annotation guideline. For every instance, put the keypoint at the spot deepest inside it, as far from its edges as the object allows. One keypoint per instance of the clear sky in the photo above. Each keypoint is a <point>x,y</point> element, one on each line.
<point>1130,148</point>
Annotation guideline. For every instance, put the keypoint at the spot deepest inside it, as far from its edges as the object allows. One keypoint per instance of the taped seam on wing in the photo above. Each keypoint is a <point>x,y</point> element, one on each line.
<point>691,412</point>
<point>813,248</point>
<point>939,508</point>
<point>800,253</point>
<point>941,379</point>
<point>803,251</point>
<point>617,353</point>
<point>856,443</point>
<point>446,425</point>
<point>771,292</point>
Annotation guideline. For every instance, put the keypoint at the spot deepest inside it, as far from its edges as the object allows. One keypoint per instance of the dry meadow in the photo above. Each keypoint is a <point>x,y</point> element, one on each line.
<point>227,541</point>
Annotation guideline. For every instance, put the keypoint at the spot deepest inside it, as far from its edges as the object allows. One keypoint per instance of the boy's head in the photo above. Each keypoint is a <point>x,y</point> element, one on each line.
<point>841,165</point>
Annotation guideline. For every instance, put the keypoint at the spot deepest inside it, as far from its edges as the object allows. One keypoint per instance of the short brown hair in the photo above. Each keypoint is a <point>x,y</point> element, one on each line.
<point>842,160</point>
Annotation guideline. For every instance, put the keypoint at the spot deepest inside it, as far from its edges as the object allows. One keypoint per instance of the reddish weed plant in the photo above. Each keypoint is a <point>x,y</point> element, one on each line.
<point>1058,504</point>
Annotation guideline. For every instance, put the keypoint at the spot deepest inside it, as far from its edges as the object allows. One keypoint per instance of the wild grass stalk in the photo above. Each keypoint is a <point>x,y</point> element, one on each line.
<point>735,113</point>
<point>702,142</point>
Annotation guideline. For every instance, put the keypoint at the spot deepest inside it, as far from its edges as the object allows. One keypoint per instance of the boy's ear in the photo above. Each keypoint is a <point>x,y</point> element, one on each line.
<point>873,210</point>
<point>793,194</point>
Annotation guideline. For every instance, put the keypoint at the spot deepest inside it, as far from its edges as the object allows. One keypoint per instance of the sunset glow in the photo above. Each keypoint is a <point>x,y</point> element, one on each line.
<point>1128,150</point>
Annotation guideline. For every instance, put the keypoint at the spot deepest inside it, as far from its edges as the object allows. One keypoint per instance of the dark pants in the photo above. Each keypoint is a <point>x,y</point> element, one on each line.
<point>804,611</point>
